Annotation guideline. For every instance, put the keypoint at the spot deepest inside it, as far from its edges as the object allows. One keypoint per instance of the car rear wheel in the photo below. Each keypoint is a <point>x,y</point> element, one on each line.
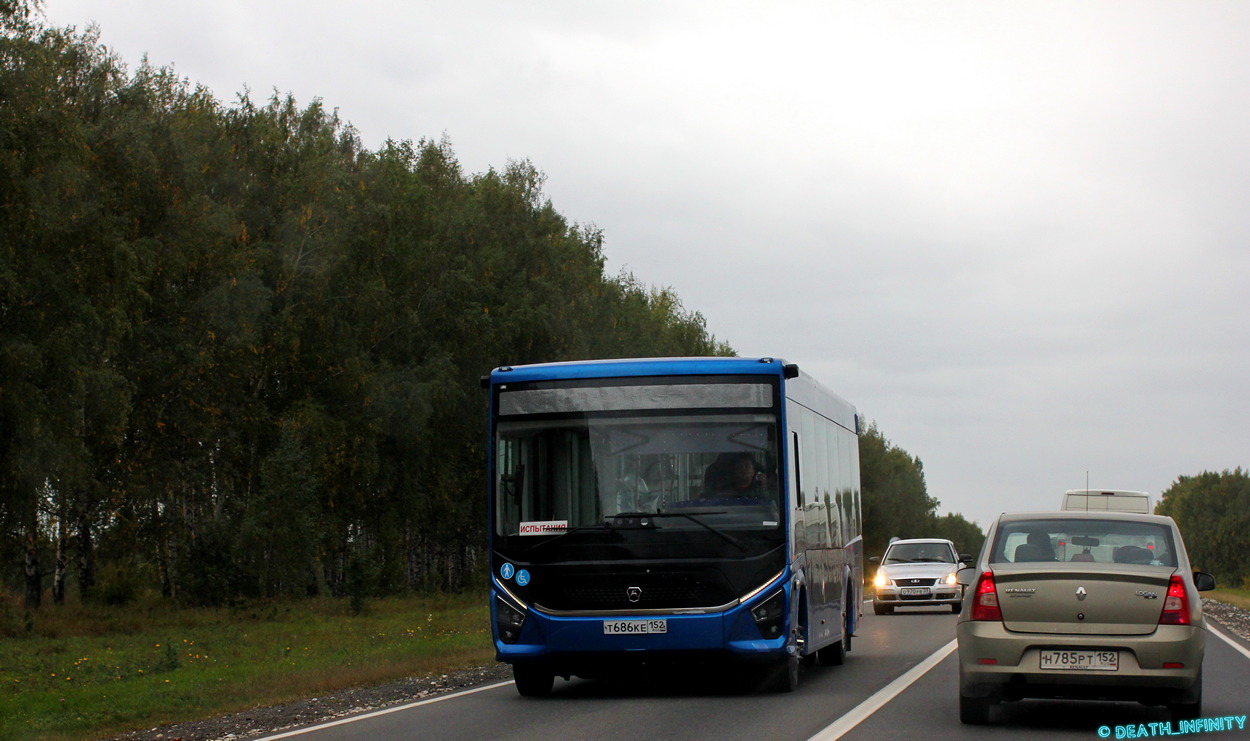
<point>974,711</point>
<point>1189,705</point>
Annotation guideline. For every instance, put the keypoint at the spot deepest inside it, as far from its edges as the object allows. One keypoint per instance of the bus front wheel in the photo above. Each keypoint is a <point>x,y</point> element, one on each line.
<point>532,681</point>
<point>786,675</point>
<point>786,671</point>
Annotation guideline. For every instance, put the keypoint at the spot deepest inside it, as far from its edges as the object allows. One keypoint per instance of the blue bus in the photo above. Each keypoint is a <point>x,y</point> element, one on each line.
<point>671,510</point>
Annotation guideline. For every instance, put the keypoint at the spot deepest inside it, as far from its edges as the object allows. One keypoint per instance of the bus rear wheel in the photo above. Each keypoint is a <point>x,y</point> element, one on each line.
<point>835,653</point>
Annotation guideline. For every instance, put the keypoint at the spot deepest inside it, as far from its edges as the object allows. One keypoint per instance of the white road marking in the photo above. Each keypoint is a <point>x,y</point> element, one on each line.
<point>832,732</point>
<point>1211,627</point>
<point>866,708</point>
<point>386,711</point>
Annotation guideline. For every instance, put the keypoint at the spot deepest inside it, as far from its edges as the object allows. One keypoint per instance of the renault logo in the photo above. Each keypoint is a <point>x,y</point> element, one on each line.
<point>633,593</point>
<point>1080,593</point>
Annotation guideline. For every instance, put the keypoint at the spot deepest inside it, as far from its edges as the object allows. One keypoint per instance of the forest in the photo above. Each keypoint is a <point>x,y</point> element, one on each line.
<point>240,352</point>
<point>1212,511</point>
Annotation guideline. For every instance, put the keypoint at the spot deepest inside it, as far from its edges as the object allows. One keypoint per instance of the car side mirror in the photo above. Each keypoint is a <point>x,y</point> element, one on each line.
<point>1203,581</point>
<point>965,557</point>
<point>965,576</point>
<point>874,560</point>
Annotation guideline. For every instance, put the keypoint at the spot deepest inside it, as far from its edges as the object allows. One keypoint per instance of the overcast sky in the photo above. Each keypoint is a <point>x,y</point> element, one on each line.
<point>1015,235</point>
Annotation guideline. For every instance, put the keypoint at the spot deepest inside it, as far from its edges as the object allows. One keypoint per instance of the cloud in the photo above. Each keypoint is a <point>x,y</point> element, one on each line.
<point>1013,234</point>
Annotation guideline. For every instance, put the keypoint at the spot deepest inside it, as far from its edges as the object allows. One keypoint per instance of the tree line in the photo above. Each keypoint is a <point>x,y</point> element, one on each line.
<point>896,501</point>
<point>239,351</point>
<point>1212,511</point>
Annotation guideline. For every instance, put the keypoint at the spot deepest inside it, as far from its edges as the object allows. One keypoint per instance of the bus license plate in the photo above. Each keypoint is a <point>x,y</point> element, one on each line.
<point>1102,661</point>
<point>913,591</point>
<point>634,627</point>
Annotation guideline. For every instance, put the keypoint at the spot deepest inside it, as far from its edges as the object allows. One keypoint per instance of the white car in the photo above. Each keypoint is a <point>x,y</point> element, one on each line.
<point>918,572</point>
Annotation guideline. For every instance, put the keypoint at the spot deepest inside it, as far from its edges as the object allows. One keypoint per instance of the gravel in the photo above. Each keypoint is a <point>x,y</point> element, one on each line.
<point>262,721</point>
<point>1230,617</point>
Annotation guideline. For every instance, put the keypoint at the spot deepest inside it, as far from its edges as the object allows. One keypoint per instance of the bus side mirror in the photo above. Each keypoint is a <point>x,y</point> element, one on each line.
<point>1203,581</point>
<point>965,576</point>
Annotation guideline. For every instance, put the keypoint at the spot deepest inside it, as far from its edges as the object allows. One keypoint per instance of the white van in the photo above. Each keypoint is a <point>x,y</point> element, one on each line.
<point>1100,500</point>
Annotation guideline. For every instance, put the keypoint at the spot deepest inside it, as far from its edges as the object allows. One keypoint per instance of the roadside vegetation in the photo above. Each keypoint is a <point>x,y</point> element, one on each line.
<point>1212,511</point>
<point>1235,597</point>
<point>240,351</point>
<point>87,672</point>
<point>241,433</point>
<point>896,501</point>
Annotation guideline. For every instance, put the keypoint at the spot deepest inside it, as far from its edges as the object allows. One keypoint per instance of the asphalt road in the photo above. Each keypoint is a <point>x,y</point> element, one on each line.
<point>900,681</point>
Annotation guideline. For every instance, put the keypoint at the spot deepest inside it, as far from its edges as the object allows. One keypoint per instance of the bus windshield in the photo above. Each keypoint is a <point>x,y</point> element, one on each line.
<point>689,472</point>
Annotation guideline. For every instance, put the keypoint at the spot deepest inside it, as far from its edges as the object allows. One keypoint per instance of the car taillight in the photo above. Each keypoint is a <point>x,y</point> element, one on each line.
<point>985,599</point>
<point>1176,606</point>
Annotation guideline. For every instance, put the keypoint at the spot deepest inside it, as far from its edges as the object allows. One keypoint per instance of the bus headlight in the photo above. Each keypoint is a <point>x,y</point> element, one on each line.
<point>508,621</point>
<point>770,614</point>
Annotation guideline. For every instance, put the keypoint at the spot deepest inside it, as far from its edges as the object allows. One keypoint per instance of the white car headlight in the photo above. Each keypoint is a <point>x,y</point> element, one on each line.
<point>880,580</point>
<point>951,579</point>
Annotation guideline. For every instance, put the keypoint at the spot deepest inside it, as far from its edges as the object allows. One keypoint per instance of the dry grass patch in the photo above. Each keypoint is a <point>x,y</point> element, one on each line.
<point>82,672</point>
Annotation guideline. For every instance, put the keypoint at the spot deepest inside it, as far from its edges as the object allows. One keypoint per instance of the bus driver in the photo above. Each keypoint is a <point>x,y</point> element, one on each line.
<point>732,475</point>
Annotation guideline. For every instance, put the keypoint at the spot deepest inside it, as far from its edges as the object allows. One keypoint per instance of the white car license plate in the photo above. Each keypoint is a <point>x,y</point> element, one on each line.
<point>1102,661</point>
<point>913,591</point>
<point>634,627</point>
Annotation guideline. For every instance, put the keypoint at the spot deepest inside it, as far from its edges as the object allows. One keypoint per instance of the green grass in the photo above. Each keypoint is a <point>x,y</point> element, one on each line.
<point>84,672</point>
<point>1237,597</point>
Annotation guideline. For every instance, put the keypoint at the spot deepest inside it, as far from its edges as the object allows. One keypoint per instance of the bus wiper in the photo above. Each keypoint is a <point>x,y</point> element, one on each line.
<point>715,531</point>
<point>607,525</point>
<point>569,531</point>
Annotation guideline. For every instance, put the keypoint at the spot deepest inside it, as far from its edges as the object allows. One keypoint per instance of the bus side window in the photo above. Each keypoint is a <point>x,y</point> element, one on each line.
<point>798,470</point>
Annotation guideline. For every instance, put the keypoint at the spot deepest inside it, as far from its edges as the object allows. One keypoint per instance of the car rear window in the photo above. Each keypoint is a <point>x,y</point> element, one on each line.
<point>1072,540</point>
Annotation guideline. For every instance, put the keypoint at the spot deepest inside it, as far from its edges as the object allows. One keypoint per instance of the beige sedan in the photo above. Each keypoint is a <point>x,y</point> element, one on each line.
<point>1081,605</point>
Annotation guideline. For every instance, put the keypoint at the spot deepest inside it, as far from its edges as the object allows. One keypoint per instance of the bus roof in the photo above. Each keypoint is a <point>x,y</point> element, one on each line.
<point>800,386</point>
<point>638,367</point>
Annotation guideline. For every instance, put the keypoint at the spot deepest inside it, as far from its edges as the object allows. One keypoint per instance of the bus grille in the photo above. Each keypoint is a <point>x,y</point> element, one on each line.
<point>639,592</point>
